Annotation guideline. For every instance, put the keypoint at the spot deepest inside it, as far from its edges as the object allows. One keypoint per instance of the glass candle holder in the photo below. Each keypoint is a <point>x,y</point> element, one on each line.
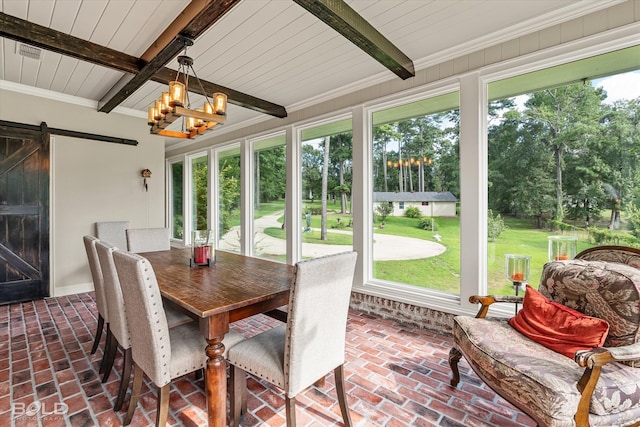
<point>562,247</point>
<point>517,268</point>
<point>202,251</point>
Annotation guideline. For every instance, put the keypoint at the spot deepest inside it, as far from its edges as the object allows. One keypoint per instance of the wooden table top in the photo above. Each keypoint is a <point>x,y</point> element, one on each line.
<point>234,281</point>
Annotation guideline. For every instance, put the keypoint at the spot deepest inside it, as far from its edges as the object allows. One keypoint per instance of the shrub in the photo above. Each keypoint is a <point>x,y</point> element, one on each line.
<point>412,212</point>
<point>557,225</point>
<point>314,210</point>
<point>633,220</point>
<point>604,236</point>
<point>384,210</point>
<point>339,225</point>
<point>427,223</point>
<point>495,226</point>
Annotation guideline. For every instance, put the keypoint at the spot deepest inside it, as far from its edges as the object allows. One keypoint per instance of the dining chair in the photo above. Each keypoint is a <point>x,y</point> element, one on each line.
<point>310,345</point>
<point>161,353</point>
<point>118,324</point>
<point>141,240</point>
<point>114,232</point>
<point>101,300</point>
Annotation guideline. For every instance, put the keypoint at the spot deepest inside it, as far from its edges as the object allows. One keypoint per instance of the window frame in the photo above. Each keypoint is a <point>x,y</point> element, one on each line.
<point>473,103</point>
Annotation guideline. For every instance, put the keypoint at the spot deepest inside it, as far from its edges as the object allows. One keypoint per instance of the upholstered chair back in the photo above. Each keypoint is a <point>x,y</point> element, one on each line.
<point>151,347</point>
<point>113,232</point>
<point>619,254</point>
<point>96,275</point>
<point>607,290</point>
<point>141,240</point>
<point>318,308</point>
<point>113,293</point>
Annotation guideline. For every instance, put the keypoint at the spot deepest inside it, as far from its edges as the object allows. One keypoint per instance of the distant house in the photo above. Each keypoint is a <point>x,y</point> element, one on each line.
<point>430,203</point>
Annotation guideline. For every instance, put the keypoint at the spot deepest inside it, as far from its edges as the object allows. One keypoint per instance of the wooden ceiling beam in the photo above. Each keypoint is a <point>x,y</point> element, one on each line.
<point>202,18</point>
<point>65,44</point>
<point>55,41</point>
<point>341,17</point>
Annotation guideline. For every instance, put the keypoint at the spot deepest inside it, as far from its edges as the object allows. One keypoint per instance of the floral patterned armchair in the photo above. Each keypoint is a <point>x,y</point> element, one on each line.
<point>598,387</point>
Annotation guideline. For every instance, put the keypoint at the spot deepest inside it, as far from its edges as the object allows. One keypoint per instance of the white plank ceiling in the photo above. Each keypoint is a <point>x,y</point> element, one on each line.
<point>270,49</point>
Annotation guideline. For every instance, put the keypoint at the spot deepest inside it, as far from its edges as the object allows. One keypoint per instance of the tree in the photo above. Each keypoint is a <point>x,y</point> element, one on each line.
<point>201,194</point>
<point>229,191</point>
<point>567,116</point>
<point>520,168</point>
<point>495,225</point>
<point>340,157</point>
<point>325,181</point>
<point>382,135</point>
<point>272,173</point>
<point>621,152</point>
<point>383,210</point>
<point>177,171</point>
<point>312,161</point>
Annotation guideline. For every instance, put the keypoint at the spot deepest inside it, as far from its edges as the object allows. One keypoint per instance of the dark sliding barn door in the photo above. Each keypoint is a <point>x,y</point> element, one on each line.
<point>24,214</point>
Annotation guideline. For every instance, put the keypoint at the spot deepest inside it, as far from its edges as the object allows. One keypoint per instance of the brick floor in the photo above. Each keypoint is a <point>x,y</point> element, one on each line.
<point>396,376</point>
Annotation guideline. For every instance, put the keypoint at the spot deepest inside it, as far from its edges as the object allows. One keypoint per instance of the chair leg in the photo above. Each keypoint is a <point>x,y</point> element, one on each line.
<point>163,405</point>
<point>237,394</point>
<point>342,396</point>
<point>321,382</point>
<point>98,334</point>
<point>107,348</point>
<point>290,409</point>
<point>124,379</point>
<point>135,393</point>
<point>111,357</point>
<point>454,358</point>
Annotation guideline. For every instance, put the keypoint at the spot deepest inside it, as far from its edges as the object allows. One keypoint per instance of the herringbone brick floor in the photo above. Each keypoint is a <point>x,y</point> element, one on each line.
<point>396,376</point>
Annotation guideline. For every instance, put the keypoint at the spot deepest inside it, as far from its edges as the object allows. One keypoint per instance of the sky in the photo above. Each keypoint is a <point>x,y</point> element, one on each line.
<point>621,86</point>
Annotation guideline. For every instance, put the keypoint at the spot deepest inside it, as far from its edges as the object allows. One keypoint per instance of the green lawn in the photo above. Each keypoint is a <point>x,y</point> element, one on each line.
<point>520,238</point>
<point>441,272</point>
<point>268,208</point>
<point>314,236</point>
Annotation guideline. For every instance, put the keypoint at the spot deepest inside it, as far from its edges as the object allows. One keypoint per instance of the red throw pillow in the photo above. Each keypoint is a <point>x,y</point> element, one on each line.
<point>558,327</point>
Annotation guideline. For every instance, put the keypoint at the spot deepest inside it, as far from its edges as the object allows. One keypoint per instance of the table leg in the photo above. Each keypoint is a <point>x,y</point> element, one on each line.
<point>216,383</point>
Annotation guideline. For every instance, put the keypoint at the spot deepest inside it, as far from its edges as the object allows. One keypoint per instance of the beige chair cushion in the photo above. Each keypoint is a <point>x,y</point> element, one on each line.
<point>175,315</point>
<point>262,355</point>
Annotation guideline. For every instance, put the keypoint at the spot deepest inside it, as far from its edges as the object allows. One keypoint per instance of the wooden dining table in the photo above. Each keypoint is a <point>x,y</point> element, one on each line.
<point>232,288</point>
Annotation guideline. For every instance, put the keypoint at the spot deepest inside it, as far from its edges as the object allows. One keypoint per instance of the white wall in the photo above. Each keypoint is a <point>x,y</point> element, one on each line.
<point>91,180</point>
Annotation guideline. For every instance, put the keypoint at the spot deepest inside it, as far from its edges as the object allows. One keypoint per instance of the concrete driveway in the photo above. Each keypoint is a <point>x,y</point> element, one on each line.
<point>385,247</point>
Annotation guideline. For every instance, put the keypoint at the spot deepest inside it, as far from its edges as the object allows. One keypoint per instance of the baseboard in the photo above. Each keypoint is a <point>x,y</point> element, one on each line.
<point>73,289</point>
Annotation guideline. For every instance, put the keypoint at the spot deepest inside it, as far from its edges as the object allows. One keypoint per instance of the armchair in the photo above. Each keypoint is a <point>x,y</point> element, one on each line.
<point>597,387</point>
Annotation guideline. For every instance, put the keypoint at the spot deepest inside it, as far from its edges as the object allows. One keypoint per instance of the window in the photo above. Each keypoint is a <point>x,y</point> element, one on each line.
<point>326,174</point>
<point>415,155</point>
<point>229,199</point>
<point>269,188</point>
<point>562,156</point>
<point>199,193</point>
<point>177,212</point>
<point>416,146</point>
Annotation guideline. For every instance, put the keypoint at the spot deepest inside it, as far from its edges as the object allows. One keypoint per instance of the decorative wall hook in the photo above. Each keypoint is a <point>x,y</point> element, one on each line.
<point>146,173</point>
